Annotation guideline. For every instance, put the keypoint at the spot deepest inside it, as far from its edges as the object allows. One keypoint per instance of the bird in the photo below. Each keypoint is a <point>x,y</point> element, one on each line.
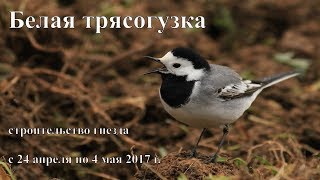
<point>204,95</point>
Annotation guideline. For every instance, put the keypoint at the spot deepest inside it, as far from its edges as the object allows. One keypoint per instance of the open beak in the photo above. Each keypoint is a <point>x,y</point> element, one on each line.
<point>161,70</point>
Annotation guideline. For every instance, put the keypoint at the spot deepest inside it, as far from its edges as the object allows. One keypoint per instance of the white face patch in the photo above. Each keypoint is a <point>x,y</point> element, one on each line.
<point>186,67</point>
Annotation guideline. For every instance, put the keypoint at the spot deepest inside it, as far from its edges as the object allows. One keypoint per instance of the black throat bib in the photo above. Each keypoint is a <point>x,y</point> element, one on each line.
<point>175,90</point>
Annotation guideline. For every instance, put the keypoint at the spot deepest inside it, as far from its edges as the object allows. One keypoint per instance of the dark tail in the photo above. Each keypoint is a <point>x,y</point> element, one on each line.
<point>269,81</point>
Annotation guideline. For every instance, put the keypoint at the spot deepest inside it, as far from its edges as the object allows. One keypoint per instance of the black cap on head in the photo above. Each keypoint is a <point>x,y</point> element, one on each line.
<point>187,53</point>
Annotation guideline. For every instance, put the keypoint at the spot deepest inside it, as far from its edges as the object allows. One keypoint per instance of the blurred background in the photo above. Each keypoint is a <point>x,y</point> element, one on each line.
<point>77,78</point>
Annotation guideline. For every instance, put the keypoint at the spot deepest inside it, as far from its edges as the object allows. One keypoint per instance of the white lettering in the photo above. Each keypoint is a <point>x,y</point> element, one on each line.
<point>69,22</point>
<point>163,23</point>
<point>13,19</point>
<point>115,22</point>
<point>101,20</point>
<point>88,21</point>
<point>125,21</point>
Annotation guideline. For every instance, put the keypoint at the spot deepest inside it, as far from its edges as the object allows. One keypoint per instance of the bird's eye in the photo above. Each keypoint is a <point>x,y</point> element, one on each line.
<point>176,65</point>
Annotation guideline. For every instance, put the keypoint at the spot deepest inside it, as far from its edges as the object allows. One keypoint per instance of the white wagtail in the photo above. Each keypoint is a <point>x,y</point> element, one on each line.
<point>204,95</point>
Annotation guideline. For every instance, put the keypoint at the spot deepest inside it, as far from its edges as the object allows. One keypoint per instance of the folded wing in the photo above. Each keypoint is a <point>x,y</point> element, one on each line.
<point>243,88</point>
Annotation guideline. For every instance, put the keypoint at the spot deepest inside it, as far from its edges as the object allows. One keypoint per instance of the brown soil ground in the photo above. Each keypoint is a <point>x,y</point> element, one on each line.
<point>77,78</point>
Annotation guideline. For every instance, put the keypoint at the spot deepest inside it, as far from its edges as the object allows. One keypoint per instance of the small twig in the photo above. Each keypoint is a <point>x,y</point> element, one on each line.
<point>112,61</point>
<point>54,73</point>
<point>282,149</point>
<point>262,121</point>
<point>10,84</point>
<point>280,173</point>
<point>38,46</point>
<point>138,102</point>
<point>84,98</point>
<point>188,167</point>
<point>40,148</point>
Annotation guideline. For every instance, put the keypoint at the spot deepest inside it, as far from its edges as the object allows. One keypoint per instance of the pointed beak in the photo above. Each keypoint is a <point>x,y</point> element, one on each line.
<point>153,58</point>
<point>161,70</point>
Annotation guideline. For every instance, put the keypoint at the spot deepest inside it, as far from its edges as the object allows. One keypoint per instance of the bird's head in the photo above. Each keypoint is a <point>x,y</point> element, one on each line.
<point>182,62</point>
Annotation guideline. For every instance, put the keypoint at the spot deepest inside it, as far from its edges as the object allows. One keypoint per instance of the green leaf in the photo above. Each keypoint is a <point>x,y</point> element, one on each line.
<point>263,161</point>
<point>221,159</point>
<point>284,136</point>
<point>184,128</point>
<point>7,168</point>
<point>216,177</point>
<point>182,177</point>
<point>163,152</point>
<point>289,59</point>
<point>234,147</point>
<point>239,162</point>
<point>272,169</point>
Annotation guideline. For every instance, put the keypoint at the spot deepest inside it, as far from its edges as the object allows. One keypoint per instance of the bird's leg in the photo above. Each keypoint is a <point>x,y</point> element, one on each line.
<point>225,133</point>
<point>194,150</point>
